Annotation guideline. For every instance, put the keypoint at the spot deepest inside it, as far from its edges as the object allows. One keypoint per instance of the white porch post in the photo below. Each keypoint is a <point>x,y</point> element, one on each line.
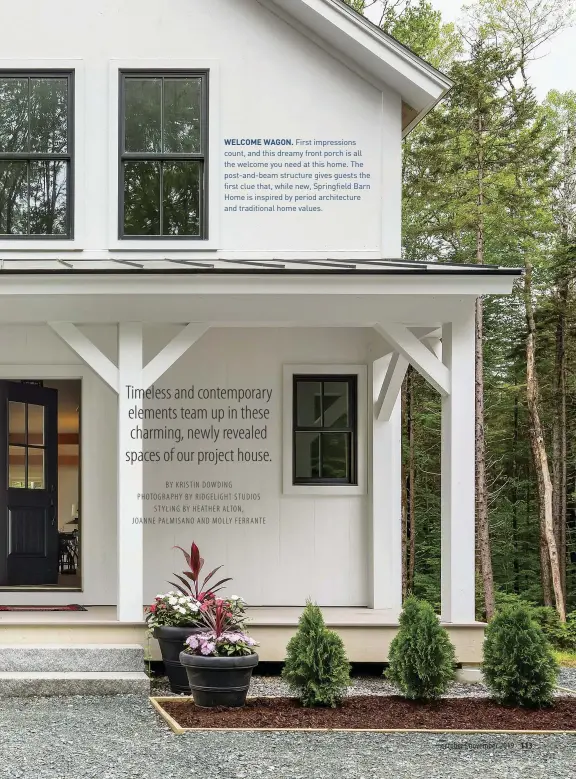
<point>130,538</point>
<point>458,488</point>
<point>385,496</point>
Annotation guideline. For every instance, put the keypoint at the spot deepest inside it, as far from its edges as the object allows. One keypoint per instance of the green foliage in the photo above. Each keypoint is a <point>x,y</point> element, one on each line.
<point>421,656</point>
<point>519,667</point>
<point>561,635</point>
<point>316,667</point>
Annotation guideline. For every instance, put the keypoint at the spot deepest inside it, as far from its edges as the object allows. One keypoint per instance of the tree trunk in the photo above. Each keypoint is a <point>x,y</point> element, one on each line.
<point>404,504</point>
<point>559,443</point>
<point>411,526</point>
<point>516,561</point>
<point>539,449</point>
<point>482,520</point>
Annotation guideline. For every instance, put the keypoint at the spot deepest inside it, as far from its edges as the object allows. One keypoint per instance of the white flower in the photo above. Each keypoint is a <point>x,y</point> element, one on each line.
<point>172,601</point>
<point>181,610</point>
<point>235,597</point>
<point>159,596</point>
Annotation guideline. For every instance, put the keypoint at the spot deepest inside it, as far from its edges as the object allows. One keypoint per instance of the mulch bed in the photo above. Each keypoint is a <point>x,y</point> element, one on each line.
<point>386,712</point>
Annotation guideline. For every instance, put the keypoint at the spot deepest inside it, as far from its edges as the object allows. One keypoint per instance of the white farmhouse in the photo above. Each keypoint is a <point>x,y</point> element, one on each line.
<point>205,320</point>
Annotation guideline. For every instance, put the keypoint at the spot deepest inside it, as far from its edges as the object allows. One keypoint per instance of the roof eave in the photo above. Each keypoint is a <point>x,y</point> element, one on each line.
<point>372,52</point>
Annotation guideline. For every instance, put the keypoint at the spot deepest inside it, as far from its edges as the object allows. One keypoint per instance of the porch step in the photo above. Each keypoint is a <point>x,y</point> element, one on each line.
<point>66,658</point>
<point>30,683</point>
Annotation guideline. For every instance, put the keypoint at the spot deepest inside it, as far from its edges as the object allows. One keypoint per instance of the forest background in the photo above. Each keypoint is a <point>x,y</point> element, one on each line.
<point>489,176</point>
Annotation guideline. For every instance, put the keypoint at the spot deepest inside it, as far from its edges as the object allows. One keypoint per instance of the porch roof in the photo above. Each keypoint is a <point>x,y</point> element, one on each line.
<point>221,265</point>
<point>244,293</point>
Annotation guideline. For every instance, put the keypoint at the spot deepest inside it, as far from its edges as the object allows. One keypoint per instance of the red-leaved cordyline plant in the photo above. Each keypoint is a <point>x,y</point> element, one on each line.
<point>222,615</point>
<point>191,585</point>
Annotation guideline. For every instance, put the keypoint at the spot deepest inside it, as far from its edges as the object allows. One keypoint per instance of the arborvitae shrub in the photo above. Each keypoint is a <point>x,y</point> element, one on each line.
<point>421,658</point>
<point>519,667</point>
<point>316,667</point>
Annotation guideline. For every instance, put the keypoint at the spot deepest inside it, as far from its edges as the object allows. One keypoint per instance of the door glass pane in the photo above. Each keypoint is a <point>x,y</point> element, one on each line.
<point>182,107</point>
<point>14,114</point>
<point>13,198</point>
<point>143,114</point>
<point>307,456</point>
<point>35,469</point>
<point>16,422</point>
<point>308,404</point>
<point>49,115</point>
<point>336,404</point>
<point>17,466</point>
<point>141,198</point>
<point>181,198</point>
<point>48,188</point>
<point>335,455</point>
<point>35,425</point>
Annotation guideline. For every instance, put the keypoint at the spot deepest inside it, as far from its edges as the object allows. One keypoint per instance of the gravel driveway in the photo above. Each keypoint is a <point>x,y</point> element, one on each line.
<point>122,738</point>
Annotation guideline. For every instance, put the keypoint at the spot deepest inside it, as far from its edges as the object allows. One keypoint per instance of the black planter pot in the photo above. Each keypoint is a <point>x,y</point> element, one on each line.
<point>171,640</point>
<point>219,681</point>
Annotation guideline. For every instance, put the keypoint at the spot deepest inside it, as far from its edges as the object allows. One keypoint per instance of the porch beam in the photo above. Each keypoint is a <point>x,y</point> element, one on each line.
<point>391,386</point>
<point>414,351</point>
<point>172,352</point>
<point>87,351</point>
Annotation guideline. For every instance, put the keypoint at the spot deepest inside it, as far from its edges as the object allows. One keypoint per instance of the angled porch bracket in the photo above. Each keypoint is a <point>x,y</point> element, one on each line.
<point>90,353</point>
<point>416,353</point>
<point>391,386</point>
<point>180,344</point>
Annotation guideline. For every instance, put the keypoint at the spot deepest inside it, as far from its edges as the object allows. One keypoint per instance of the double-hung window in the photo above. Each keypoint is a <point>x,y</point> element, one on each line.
<point>163,154</point>
<point>325,429</point>
<point>36,154</point>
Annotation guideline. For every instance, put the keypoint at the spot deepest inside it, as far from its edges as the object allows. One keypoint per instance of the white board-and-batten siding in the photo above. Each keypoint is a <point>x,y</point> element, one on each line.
<point>310,546</point>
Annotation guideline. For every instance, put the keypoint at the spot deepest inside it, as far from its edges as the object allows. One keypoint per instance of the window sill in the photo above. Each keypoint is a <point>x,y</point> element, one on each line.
<point>153,245</point>
<point>327,490</point>
<point>41,245</point>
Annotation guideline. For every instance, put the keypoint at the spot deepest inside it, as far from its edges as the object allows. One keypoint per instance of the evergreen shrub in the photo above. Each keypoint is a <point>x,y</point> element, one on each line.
<point>316,667</point>
<point>421,659</point>
<point>519,667</point>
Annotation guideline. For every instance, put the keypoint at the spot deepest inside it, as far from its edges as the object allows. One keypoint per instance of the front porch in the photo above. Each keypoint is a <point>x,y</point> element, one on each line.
<point>367,633</point>
<point>161,325</point>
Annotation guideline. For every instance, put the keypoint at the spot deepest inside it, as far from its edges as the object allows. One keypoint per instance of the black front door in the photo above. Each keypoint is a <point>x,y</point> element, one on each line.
<point>28,484</point>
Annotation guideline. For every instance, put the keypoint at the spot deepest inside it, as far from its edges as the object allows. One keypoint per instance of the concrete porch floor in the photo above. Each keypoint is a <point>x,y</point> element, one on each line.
<point>367,633</point>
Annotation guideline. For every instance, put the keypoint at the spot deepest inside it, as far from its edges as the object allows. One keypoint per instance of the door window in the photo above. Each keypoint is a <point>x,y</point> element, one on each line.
<point>26,439</point>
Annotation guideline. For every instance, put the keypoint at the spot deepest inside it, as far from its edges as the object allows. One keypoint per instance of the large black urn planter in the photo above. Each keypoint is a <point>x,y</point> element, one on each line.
<point>171,640</point>
<point>219,681</point>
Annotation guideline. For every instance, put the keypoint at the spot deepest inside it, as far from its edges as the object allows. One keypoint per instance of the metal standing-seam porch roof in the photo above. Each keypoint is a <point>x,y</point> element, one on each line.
<point>235,266</point>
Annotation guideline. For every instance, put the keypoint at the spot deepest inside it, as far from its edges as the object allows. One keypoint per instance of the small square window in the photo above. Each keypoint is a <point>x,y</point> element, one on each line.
<point>163,154</point>
<point>324,429</point>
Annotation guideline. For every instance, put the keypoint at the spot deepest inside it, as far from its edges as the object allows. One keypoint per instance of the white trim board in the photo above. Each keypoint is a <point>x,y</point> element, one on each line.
<point>334,490</point>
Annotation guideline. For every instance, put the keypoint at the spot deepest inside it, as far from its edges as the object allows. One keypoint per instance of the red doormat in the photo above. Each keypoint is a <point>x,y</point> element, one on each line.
<point>70,607</point>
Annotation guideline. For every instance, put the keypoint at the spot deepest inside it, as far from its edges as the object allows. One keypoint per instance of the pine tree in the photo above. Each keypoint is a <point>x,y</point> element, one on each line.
<point>421,658</point>
<point>519,667</point>
<point>316,666</point>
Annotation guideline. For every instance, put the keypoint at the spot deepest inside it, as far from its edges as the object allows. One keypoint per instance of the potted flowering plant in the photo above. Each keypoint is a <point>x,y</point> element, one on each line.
<point>219,660</point>
<point>175,615</point>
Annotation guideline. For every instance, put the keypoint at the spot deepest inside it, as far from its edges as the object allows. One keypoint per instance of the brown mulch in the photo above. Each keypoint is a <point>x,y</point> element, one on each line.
<point>377,712</point>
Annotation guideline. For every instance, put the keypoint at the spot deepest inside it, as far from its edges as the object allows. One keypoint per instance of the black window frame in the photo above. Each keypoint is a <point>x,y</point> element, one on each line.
<point>351,379</point>
<point>33,156</point>
<point>202,156</point>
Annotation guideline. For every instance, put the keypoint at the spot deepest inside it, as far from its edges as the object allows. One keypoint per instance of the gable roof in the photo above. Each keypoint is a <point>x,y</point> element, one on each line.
<point>369,51</point>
